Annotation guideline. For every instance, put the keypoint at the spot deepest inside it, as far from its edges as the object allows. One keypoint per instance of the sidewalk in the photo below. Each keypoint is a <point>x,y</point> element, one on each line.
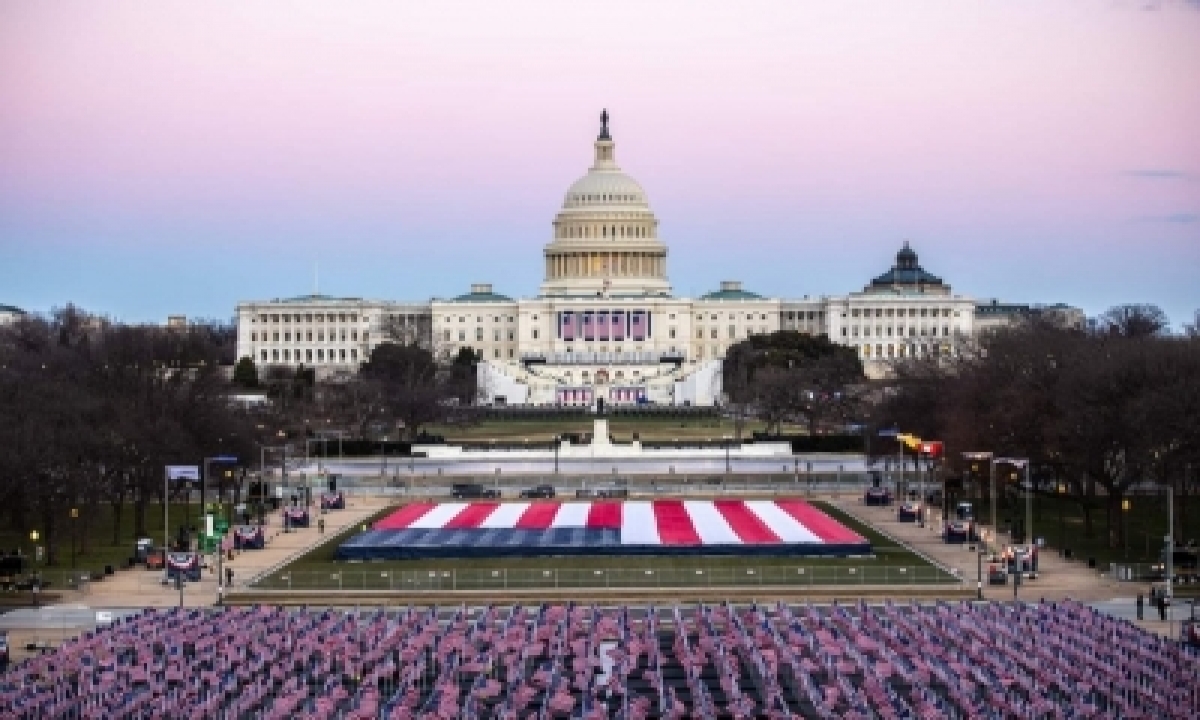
<point>1057,578</point>
<point>138,587</point>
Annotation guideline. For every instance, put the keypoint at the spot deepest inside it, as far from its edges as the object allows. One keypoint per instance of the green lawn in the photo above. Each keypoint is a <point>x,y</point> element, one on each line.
<point>622,429</point>
<point>100,548</point>
<point>890,564</point>
<point>1146,524</point>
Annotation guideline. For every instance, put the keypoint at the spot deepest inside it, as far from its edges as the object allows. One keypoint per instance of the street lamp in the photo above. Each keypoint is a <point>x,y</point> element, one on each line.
<point>991,479</point>
<point>1125,507</point>
<point>728,439</point>
<point>74,517</point>
<point>557,441</point>
<point>35,586</point>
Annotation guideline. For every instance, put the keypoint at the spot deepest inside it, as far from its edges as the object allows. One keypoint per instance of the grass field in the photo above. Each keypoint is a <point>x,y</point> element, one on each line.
<point>622,429</point>
<point>101,550</point>
<point>1145,523</point>
<point>890,564</point>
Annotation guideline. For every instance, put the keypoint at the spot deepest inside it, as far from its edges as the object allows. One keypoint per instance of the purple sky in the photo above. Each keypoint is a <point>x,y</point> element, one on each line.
<point>179,156</point>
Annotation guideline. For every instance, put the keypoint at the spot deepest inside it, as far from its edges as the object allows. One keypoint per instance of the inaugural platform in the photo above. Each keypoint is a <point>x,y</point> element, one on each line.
<point>659,527</point>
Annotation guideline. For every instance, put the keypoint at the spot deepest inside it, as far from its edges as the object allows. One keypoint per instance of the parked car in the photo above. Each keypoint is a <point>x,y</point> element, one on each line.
<point>541,491</point>
<point>473,491</point>
<point>602,492</point>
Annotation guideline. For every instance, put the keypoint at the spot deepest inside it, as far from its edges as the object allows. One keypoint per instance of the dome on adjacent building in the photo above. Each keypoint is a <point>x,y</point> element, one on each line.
<point>907,276</point>
<point>605,236</point>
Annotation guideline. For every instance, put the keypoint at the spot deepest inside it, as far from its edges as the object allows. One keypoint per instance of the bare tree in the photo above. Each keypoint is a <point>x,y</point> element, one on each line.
<point>1134,321</point>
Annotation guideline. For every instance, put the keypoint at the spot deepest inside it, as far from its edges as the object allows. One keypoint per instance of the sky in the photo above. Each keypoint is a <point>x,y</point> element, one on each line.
<point>179,157</point>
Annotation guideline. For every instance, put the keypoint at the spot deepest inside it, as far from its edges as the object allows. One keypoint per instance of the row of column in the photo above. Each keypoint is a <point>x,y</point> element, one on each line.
<point>584,232</point>
<point>592,264</point>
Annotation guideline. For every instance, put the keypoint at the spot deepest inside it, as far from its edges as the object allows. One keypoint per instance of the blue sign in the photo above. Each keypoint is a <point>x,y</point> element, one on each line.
<point>223,459</point>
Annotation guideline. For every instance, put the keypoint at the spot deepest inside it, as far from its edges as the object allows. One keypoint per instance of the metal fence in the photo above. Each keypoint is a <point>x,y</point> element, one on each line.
<point>511,486</point>
<point>632,577</point>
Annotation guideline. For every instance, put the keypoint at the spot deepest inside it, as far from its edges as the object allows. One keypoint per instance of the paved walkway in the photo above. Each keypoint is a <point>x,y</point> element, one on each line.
<point>1057,578</point>
<point>138,587</point>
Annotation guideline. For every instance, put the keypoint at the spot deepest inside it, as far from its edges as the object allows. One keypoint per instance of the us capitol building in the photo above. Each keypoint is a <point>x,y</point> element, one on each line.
<point>605,324</point>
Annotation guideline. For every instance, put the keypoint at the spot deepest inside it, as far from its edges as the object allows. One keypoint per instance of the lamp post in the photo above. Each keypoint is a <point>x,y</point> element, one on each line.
<point>557,441</point>
<point>728,439</point>
<point>1125,506</point>
<point>35,584</point>
<point>979,552</point>
<point>976,456</point>
<point>74,517</point>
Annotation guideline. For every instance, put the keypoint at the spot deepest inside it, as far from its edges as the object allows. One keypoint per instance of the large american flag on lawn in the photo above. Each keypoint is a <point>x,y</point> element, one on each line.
<point>656,522</point>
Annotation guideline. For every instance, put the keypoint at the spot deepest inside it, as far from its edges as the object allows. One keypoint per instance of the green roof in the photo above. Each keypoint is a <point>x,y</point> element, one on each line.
<point>481,297</point>
<point>312,298</point>
<point>906,271</point>
<point>731,295</point>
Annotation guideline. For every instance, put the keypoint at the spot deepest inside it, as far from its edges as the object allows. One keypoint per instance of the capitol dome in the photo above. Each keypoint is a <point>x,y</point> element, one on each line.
<point>605,187</point>
<point>605,236</point>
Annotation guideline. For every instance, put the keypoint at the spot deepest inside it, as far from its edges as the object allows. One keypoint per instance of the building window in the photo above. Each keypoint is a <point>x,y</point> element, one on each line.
<point>713,333</point>
<point>535,334</point>
<point>264,355</point>
<point>275,355</point>
<point>446,336</point>
<point>699,333</point>
<point>354,335</point>
<point>671,332</point>
<point>321,355</point>
<point>308,336</point>
<point>510,353</point>
<point>287,337</point>
<point>342,355</point>
<point>253,337</point>
<point>353,354</point>
<point>512,335</point>
<point>287,355</point>
<point>275,337</point>
<point>462,335</point>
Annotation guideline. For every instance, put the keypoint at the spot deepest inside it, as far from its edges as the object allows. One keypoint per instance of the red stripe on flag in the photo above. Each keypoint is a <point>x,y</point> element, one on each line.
<point>674,524</point>
<point>538,516</point>
<point>820,524</point>
<point>404,517</point>
<point>472,516</point>
<point>604,515</point>
<point>749,527</point>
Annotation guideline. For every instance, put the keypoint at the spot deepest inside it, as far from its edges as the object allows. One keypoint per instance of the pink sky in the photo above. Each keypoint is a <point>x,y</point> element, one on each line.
<point>819,135</point>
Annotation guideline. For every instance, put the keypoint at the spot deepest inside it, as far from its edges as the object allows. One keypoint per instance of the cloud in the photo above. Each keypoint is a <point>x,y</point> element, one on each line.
<point>1160,174</point>
<point>1183,218</point>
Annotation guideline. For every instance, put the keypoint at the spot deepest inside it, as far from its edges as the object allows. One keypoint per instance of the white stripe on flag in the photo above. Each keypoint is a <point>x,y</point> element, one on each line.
<point>782,524</point>
<point>571,514</point>
<point>638,525</point>
<point>505,516</point>
<point>710,524</point>
<point>441,514</point>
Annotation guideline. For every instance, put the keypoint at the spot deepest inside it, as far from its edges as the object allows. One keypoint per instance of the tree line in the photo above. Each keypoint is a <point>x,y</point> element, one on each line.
<point>91,412</point>
<point>1100,412</point>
